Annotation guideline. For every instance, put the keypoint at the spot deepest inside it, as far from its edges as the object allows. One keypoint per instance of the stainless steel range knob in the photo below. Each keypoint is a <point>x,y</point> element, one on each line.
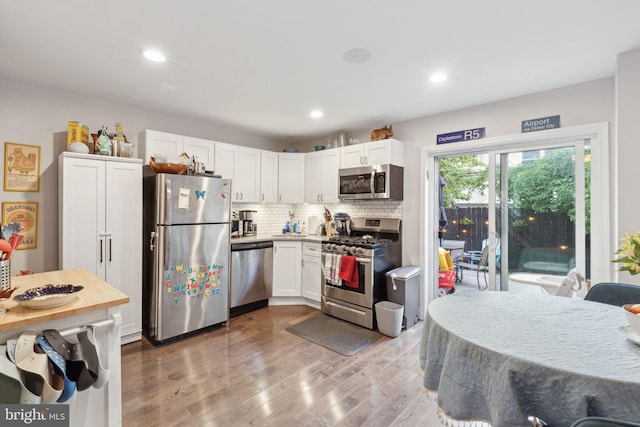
<point>353,250</point>
<point>343,248</point>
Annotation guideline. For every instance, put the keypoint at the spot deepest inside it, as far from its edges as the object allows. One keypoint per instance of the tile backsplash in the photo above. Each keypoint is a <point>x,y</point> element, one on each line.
<point>271,218</point>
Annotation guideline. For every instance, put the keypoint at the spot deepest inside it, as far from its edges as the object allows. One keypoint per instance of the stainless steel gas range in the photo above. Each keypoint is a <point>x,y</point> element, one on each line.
<point>373,248</point>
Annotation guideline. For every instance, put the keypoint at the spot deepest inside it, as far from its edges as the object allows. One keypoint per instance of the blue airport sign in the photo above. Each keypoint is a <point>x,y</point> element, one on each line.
<point>543,123</point>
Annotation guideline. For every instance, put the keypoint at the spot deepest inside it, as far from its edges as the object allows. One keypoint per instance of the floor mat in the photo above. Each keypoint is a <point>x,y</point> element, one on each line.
<point>335,334</point>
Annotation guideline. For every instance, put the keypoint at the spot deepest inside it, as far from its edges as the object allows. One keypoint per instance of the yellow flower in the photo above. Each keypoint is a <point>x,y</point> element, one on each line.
<point>629,252</point>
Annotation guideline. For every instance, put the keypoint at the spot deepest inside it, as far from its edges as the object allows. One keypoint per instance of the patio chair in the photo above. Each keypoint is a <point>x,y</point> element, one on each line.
<point>480,264</point>
<point>614,293</point>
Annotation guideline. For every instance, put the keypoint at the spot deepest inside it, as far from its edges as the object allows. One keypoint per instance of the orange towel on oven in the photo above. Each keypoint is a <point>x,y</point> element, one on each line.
<point>349,271</point>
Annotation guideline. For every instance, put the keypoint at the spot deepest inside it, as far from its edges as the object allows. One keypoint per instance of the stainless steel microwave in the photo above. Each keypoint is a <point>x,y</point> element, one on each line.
<point>378,182</point>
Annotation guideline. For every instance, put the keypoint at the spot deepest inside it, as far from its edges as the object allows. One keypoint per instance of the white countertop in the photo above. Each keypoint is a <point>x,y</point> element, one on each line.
<point>274,237</point>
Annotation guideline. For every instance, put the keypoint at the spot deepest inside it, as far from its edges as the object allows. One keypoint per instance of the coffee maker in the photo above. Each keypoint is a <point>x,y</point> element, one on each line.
<point>246,223</point>
<point>343,224</point>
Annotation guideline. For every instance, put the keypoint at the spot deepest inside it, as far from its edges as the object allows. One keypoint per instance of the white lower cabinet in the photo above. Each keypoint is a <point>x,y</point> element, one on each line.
<point>100,226</point>
<point>287,266</point>
<point>311,280</point>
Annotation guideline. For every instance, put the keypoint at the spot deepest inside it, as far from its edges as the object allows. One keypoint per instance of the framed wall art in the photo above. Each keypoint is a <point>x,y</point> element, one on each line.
<point>21,167</point>
<point>25,213</point>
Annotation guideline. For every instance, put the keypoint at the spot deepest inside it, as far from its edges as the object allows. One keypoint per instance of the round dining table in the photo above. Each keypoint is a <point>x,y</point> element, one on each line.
<point>499,357</point>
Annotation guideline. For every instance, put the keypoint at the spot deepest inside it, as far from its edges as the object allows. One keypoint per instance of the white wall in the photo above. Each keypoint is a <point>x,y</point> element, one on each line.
<point>38,116</point>
<point>586,103</point>
<point>627,155</point>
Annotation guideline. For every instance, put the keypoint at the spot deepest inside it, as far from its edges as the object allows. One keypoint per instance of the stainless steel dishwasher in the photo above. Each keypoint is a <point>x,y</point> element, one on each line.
<point>251,276</point>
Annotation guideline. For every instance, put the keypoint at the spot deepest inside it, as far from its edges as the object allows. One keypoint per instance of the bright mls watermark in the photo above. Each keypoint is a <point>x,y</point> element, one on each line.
<point>34,415</point>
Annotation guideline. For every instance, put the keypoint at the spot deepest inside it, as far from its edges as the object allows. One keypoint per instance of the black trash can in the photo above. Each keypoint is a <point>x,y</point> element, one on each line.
<point>403,287</point>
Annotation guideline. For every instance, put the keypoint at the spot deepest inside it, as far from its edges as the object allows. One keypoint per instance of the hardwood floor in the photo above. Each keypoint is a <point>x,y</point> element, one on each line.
<point>256,373</point>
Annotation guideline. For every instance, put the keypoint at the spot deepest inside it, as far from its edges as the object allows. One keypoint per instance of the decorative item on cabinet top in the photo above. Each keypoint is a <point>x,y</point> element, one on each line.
<point>382,133</point>
<point>174,168</point>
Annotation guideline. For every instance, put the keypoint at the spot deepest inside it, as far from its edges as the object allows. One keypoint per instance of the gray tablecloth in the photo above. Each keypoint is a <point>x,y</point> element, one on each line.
<point>499,357</point>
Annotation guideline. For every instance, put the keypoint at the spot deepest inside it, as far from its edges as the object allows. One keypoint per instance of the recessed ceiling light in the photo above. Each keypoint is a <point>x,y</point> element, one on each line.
<point>438,78</point>
<point>316,114</point>
<point>154,55</point>
<point>356,56</point>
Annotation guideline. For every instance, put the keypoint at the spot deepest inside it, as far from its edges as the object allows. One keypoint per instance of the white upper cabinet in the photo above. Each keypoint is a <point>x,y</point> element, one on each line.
<point>242,166</point>
<point>372,153</point>
<point>202,149</point>
<point>291,177</point>
<point>156,143</point>
<point>268,176</point>
<point>321,182</point>
<point>172,146</point>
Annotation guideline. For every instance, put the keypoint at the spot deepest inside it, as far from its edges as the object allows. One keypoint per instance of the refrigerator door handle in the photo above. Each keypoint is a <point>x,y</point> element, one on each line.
<point>152,240</point>
<point>168,204</point>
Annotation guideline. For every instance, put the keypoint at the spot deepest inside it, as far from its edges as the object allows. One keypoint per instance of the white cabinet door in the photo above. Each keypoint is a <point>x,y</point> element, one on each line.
<point>226,156</point>
<point>247,174</point>
<point>372,153</point>
<point>321,182</point>
<point>311,275</point>
<point>162,143</point>
<point>82,214</point>
<point>242,166</point>
<point>268,176</point>
<point>173,146</point>
<point>312,183</point>
<point>385,151</point>
<point>123,243</point>
<point>329,176</point>
<point>287,260</point>
<point>352,156</point>
<point>100,214</point>
<point>202,149</point>
<point>291,177</point>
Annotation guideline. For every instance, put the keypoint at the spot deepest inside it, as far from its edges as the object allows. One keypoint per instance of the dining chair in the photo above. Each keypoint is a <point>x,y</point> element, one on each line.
<point>614,293</point>
<point>602,422</point>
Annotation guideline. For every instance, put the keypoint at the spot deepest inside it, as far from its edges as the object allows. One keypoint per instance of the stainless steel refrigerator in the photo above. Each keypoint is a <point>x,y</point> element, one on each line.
<point>186,261</point>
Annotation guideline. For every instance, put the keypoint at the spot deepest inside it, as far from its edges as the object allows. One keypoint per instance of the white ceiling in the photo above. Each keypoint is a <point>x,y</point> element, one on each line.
<point>263,65</point>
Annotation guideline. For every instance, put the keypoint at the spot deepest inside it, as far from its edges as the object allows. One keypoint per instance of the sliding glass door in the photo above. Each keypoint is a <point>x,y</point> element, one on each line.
<point>520,210</point>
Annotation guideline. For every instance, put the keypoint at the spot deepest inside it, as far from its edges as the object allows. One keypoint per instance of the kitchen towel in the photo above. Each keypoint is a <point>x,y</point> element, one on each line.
<point>349,271</point>
<point>331,268</point>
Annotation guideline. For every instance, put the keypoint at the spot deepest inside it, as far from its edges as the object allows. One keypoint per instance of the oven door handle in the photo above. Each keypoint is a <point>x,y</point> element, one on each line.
<point>363,260</point>
<point>342,307</point>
